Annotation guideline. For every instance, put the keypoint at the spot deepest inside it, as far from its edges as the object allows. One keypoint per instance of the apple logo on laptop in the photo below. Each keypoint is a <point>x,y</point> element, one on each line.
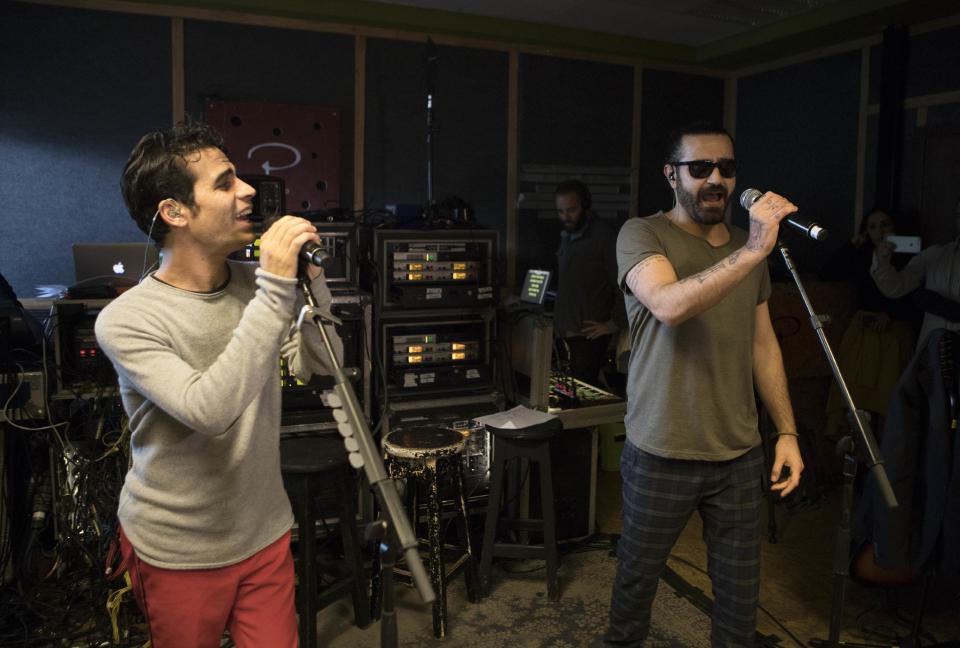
<point>118,268</point>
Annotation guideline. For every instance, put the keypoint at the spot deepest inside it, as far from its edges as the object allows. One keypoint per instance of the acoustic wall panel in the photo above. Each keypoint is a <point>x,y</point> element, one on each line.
<point>78,89</point>
<point>470,127</point>
<point>797,135</point>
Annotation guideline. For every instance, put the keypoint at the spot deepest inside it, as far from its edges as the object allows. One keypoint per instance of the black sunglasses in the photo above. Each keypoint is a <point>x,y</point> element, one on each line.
<point>703,168</point>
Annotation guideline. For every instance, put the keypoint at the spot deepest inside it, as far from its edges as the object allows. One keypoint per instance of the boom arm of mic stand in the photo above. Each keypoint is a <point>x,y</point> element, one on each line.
<point>866,443</point>
<point>372,463</point>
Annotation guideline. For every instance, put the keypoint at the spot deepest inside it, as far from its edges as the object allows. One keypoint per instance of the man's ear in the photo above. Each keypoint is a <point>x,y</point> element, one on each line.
<point>169,210</point>
<point>671,174</point>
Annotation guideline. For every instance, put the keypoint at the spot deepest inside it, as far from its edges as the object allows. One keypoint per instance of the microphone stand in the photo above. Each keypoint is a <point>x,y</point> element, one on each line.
<point>393,528</point>
<point>860,446</point>
<point>430,212</point>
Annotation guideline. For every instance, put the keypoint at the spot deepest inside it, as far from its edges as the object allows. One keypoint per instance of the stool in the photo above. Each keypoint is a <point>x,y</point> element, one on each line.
<point>532,443</point>
<point>310,467</point>
<point>424,456</point>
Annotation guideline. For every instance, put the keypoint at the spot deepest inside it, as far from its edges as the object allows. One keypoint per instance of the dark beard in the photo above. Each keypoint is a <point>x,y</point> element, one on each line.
<point>574,225</point>
<point>704,216</point>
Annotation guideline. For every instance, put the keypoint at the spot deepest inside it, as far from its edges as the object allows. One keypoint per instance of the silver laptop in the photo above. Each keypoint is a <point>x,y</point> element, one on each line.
<point>116,264</point>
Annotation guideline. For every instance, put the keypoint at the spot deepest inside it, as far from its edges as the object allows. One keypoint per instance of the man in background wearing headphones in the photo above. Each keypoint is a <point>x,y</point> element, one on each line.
<point>701,340</point>
<point>205,521</point>
<point>589,307</point>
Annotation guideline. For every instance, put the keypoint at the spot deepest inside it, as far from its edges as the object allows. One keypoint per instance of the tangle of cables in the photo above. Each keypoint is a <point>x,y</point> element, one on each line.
<point>62,466</point>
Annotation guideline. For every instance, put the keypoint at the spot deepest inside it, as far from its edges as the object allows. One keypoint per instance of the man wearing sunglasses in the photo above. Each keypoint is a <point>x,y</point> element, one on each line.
<point>696,293</point>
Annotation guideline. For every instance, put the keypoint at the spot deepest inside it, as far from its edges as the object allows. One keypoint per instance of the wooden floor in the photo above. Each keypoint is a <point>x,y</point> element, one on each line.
<point>796,590</point>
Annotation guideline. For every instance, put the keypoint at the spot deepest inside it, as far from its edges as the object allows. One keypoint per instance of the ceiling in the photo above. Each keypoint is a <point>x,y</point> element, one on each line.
<point>720,35</point>
<point>682,22</point>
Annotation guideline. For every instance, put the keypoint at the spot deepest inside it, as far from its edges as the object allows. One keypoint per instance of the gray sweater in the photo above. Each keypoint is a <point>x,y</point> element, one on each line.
<point>199,379</point>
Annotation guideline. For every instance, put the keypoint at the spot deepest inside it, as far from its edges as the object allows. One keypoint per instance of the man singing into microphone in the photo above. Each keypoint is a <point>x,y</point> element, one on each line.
<point>205,519</point>
<point>696,294</point>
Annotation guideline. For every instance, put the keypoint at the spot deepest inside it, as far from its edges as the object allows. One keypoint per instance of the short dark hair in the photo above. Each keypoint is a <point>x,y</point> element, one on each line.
<point>157,169</point>
<point>675,142</point>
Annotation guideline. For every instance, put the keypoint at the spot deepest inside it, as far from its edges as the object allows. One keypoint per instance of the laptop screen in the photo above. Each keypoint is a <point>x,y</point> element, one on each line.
<point>535,286</point>
<point>113,263</point>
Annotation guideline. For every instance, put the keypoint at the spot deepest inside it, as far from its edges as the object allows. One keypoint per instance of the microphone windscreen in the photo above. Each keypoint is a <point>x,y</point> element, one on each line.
<point>748,197</point>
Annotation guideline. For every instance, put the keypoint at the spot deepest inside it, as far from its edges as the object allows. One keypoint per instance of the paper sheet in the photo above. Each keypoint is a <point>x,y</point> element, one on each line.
<point>516,418</point>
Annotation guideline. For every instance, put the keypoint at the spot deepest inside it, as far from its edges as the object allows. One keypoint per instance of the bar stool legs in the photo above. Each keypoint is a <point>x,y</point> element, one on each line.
<point>429,476</point>
<point>347,494</point>
<point>306,597</point>
<point>436,566</point>
<point>490,522</point>
<point>549,522</point>
<point>471,574</point>
<point>535,451</point>
<point>310,599</point>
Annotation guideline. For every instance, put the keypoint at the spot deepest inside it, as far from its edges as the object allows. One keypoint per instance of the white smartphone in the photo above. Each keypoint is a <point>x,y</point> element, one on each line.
<point>905,244</point>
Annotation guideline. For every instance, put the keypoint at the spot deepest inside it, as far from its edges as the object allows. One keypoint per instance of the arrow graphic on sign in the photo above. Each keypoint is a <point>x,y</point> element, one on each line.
<point>267,168</point>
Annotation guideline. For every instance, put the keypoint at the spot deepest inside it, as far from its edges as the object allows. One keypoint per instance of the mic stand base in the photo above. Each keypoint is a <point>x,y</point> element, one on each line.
<point>385,605</point>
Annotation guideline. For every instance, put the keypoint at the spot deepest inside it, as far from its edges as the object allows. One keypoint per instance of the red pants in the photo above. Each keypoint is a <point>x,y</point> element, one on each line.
<point>190,608</point>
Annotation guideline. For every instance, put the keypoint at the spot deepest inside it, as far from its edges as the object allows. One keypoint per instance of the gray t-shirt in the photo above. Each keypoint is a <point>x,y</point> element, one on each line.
<point>200,382</point>
<point>690,387</point>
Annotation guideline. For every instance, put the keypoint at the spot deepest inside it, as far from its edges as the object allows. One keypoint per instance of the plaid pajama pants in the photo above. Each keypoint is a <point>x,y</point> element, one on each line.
<point>659,496</point>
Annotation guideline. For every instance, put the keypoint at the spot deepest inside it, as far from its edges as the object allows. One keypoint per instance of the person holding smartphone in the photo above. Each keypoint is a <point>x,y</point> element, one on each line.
<point>878,342</point>
<point>936,270</point>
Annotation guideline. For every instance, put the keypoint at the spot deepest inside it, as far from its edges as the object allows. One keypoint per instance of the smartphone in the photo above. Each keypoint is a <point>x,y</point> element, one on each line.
<point>905,244</point>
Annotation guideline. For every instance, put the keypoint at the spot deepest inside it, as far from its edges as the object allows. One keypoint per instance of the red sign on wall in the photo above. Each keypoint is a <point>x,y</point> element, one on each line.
<point>298,143</point>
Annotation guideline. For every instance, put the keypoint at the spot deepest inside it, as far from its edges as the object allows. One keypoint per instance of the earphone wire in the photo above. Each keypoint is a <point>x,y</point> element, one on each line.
<point>146,247</point>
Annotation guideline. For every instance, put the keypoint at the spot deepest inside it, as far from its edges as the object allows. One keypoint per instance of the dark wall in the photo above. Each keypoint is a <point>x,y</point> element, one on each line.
<point>933,67</point>
<point>77,90</point>
<point>670,100</point>
<point>575,113</point>
<point>241,63</point>
<point>797,135</point>
<point>80,86</point>
<point>470,117</point>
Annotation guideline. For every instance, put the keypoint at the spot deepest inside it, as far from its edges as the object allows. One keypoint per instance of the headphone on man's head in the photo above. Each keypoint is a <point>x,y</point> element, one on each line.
<point>578,187</point>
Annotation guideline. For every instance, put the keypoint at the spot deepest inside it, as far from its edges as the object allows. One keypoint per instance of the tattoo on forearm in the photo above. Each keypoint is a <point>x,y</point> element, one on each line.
<point>753,242</point>
<point>733,258</point>
<point>702,276</point>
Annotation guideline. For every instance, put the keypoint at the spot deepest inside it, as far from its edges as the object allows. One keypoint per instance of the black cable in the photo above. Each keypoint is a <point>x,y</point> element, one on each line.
<point>773,618</point>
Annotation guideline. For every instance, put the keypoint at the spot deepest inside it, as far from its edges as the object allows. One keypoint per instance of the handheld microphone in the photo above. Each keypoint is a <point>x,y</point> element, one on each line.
<point>813,230</point>
<point>311,252</point>
<point>316,254</point>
